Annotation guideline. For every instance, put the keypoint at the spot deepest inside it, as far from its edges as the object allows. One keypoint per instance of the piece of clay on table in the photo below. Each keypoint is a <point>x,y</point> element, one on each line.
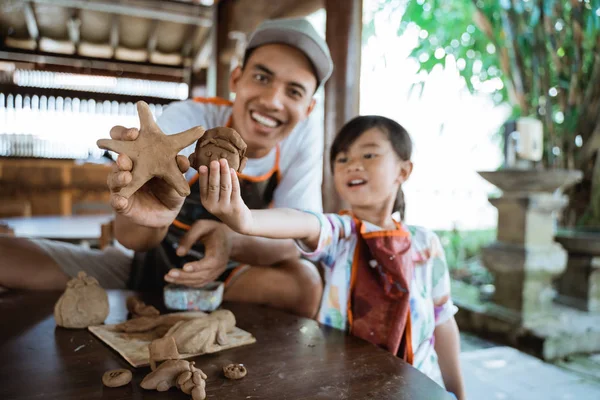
<point>179,373</point>
<point>138,308</point>
<point>84,303</point>
<point>218,143</point>
<point>145,324</point>
<point>162,349</point>
<point>153,153</point>
<point>116,377</point>
<point>200,334</point>
<point>235,371</point>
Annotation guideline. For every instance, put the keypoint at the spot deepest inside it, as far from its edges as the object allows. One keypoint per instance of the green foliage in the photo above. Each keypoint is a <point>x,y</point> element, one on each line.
<point>462,249</point>
<point>545,53</point>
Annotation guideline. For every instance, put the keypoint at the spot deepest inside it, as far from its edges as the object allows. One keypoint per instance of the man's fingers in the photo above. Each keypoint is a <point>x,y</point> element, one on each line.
<point>124,162</point>
<point>225,195</point>
<point>118,180</point>
<point>122,133</point>
<point>118,203</point>
<point>200,276</point>
<point>183,163</point>
<point>194,234</point>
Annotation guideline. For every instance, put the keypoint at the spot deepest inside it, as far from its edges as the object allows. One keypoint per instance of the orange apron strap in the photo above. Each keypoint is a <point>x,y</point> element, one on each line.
<point>218,101</point>
<point>354,271</point>
<point>408,339</point>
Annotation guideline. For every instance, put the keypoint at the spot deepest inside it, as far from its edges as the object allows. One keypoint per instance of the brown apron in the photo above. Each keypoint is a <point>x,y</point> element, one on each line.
<point>379,307</point>
<point>149,268</point>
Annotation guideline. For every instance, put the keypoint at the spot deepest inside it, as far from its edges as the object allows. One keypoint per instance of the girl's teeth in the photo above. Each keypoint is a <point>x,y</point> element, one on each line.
<point>264,120</point>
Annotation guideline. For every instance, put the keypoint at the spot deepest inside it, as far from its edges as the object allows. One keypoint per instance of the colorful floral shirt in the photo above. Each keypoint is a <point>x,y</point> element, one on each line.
<point>430,302</point>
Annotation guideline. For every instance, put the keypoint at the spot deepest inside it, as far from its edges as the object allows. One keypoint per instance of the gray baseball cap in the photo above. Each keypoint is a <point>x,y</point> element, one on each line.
<point>298,33</point>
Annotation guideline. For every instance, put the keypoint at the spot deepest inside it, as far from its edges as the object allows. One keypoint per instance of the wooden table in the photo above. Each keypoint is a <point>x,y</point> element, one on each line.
<point>293,358</point>
<point>74,229</point>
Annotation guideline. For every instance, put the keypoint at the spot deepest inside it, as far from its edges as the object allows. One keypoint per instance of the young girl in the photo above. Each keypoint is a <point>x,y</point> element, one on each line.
<point>384,282</point>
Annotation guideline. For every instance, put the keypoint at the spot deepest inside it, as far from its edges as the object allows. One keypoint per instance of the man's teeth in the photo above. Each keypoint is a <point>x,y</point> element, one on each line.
<point>266,121</point>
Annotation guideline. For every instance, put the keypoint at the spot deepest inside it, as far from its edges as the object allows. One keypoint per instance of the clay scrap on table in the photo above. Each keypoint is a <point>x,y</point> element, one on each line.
<point>138,308</point>
<point>180,374</point>
<point>201,335</point>
<point>84,303</point>
<point>116,377</point>
<point>153,153</point>
<point>218,143</point>
<point>235,371</point>
<point>162,349</point>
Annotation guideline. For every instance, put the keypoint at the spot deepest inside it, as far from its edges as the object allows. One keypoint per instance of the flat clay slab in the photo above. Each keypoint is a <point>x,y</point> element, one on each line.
<point>133,347</point>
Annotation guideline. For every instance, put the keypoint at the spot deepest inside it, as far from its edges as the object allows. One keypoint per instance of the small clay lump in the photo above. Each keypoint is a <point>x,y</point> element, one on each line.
<point>235,371</point>
<point>116,377</point>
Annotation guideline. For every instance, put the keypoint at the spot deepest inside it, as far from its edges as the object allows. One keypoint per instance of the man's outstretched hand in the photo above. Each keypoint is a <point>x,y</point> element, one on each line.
<point>156,203</point>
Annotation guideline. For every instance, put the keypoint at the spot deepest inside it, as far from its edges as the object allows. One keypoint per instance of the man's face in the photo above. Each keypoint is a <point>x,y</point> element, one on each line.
<point>273,93</point>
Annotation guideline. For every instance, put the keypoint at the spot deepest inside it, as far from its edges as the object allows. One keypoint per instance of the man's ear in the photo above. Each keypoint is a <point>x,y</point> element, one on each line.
<point>406,168</point>
<point>234,78</point>
<point>311,106</point>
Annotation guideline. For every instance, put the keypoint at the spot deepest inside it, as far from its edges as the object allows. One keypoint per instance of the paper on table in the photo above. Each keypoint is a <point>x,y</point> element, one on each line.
<point>133,347</point>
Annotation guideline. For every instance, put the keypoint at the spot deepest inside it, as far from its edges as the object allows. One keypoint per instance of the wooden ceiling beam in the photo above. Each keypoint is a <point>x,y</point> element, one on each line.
<point>152,39</point>
<point>248,14</point>
<point>32,26</point>
<point>74,27</point>
<point>114,33</point>
<point>162,11</point>
<point>170,73</point>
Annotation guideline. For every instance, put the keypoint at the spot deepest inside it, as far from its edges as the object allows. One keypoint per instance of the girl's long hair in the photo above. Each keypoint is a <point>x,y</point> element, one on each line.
<point>397,135</point>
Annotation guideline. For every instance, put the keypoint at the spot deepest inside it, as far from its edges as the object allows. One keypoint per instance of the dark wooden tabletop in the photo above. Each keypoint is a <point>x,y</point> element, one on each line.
<point>293,358</point>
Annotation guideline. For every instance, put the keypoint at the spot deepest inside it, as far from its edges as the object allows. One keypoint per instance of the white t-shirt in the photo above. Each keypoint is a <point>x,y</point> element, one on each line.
<point>301,157</point>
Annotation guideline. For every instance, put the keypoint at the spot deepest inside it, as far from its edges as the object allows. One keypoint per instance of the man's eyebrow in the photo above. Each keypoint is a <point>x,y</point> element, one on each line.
<point>263,69</point>
<point>267,71</point>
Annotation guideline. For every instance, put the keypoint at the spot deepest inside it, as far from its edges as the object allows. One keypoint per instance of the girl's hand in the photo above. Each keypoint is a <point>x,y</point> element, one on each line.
<point>220,195</point>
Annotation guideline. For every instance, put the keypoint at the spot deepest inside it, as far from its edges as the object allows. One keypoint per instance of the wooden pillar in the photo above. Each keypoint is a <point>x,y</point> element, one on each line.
<point>223,18</point>
<point>343,35</point>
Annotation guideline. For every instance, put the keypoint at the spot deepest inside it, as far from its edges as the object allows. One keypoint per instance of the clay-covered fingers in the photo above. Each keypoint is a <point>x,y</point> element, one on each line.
<point>121,133</point>
<point>118,179</point>
<point>183,163</point>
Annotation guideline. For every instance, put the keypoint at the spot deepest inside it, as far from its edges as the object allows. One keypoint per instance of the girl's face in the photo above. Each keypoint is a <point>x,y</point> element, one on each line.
<point>370,172</point>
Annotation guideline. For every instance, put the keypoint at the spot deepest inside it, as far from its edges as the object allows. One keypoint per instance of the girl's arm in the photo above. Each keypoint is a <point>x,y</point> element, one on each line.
<point>447,347</point>
<point>220,195</point>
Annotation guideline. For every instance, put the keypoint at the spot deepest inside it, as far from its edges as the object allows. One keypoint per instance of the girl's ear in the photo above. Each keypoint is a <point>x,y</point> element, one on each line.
<point>406,168</point>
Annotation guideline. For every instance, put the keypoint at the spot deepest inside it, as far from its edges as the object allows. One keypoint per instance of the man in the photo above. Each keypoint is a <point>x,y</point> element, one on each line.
<point>285,63</point>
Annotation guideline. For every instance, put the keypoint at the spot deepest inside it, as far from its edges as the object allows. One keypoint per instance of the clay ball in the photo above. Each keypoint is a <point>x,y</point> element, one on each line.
<point>218,143</point>
<point>116,377</point>
<point>235,371</point>
<point>84,303</point>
